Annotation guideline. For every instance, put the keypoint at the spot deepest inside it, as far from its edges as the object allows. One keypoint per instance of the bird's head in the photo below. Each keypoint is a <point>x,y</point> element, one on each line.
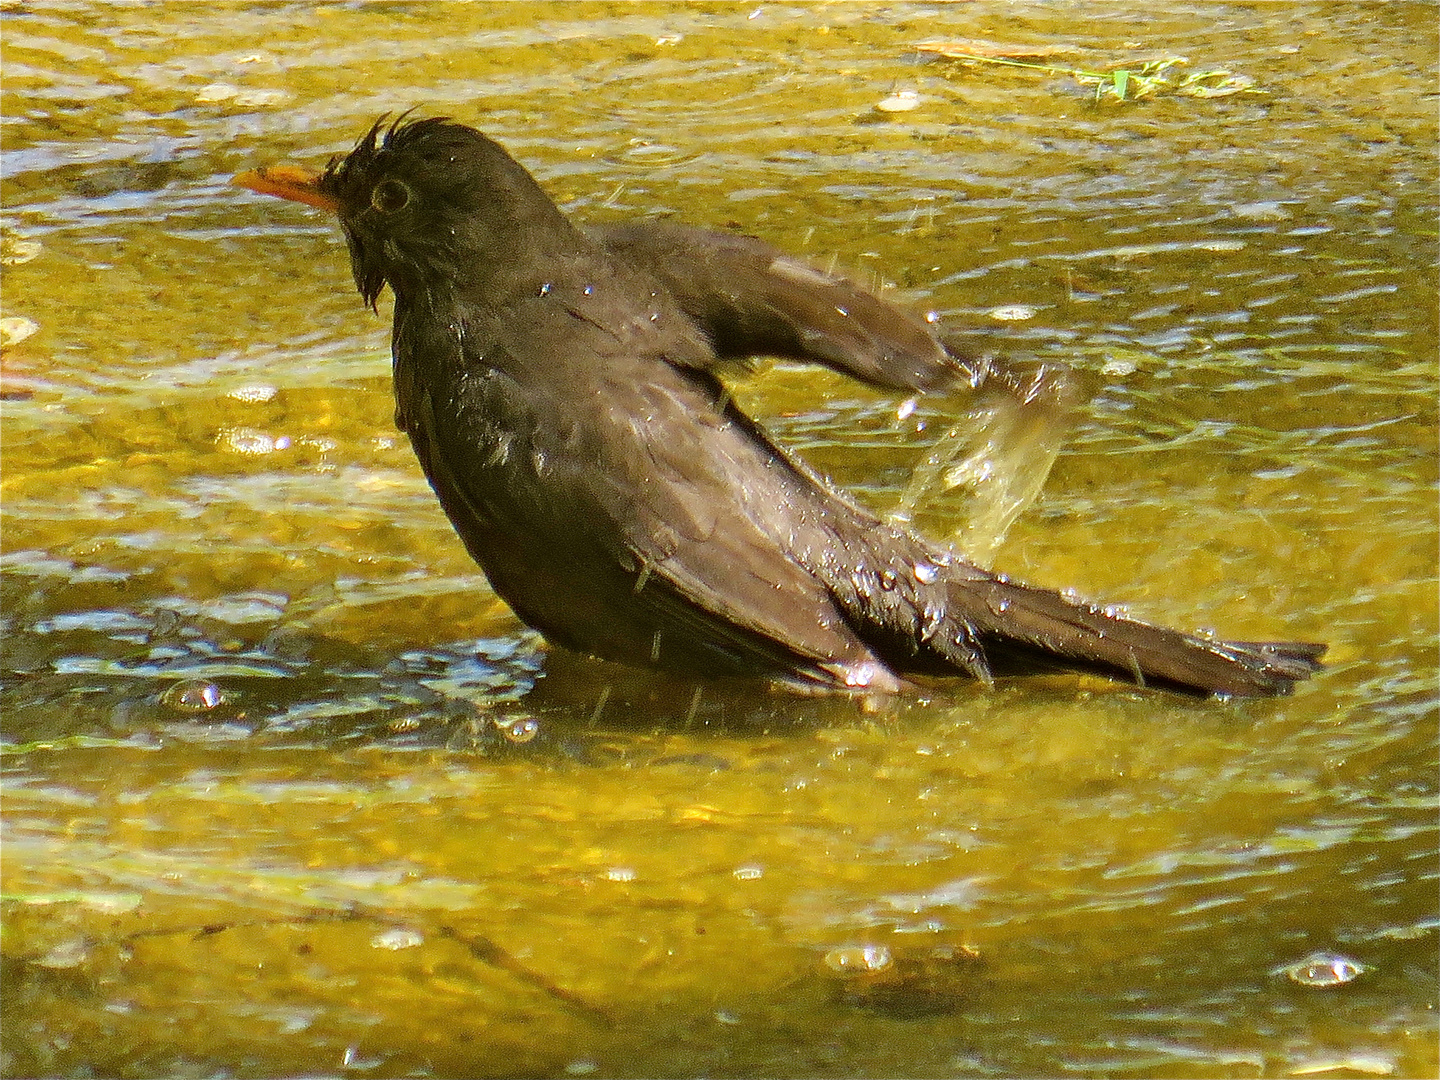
<point>424,204</point>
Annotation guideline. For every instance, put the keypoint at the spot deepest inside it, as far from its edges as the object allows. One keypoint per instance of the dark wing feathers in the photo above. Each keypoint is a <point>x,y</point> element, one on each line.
<point>637,511</point>
<point>752,299</point>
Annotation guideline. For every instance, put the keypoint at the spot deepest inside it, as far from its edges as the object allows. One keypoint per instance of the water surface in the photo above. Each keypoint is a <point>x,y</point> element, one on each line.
<point>287,791</point>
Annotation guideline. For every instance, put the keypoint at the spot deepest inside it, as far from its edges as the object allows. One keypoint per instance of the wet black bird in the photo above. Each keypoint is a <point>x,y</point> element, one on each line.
<point>559,387</point>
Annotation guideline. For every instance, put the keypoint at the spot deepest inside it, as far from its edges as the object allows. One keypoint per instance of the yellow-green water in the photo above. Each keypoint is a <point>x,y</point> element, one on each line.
<point>260,814</point>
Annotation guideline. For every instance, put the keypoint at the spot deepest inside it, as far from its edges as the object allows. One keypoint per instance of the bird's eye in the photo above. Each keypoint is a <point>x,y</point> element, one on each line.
<point>389,196</point>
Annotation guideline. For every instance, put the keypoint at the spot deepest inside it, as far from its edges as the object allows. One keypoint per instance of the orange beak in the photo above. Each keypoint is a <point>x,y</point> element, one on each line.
<point>288,182</point>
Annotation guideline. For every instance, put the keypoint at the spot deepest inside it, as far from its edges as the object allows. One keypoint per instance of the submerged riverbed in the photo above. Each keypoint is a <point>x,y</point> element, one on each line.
<point>288,791</point>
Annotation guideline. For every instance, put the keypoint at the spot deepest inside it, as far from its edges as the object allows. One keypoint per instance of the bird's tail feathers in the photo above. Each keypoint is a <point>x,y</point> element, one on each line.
<point>1022,627</point>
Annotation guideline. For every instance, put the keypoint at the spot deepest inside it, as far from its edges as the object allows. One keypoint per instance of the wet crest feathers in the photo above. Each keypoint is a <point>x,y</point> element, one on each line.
<point>427,203</point>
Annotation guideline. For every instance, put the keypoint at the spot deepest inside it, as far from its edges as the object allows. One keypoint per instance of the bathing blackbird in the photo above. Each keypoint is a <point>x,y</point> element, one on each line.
<point>560,390</point>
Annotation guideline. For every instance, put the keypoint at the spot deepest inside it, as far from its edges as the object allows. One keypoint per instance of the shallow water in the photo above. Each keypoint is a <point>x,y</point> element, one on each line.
<point>287,791</point>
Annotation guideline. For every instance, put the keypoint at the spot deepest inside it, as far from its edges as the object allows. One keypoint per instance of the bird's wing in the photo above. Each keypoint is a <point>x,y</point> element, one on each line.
<point>607,463</point>
<point>753,300</point>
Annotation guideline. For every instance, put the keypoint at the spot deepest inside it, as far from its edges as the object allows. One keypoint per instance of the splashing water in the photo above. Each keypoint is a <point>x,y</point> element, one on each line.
<point>1000,451</point>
